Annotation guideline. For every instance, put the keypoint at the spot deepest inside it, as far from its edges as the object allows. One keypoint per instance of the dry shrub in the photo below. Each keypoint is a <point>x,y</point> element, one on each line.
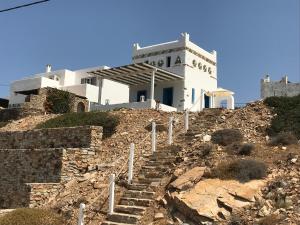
<point>242,170</point>
<point>226,136</point>
<point>240,149</point>
<point>269,220</point>
<point>237,220</point>
<point>159,127</point>
<point>206,149</point>
<point>28,216</point>
<point>284,139</point>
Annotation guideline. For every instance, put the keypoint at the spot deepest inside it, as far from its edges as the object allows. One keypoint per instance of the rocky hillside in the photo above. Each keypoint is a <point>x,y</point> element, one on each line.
<point>191,192</point>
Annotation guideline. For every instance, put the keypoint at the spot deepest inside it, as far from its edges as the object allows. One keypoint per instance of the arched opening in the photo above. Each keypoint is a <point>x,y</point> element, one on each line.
<point>80,107</point>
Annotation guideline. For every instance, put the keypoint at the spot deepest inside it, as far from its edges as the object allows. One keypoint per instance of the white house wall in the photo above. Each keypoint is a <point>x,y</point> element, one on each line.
<point>158,92</point>
<point>115,92</point>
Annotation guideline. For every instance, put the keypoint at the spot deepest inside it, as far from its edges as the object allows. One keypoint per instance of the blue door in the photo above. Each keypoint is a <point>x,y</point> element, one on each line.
<point>168,96</point>
<point>206,101</point>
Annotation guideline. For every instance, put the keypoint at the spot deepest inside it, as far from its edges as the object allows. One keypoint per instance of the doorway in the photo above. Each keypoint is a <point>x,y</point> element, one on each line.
<point>140,94</point>
<point>168,96</point>
<point>206,101</point>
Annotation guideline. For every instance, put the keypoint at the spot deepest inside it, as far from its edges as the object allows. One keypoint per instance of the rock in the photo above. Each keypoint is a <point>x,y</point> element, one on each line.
<point>294,160</point>
<point>188,179</point>
<point>283,148</point>
<point>158,216</point>
<point>264,211</point>
<point>206,138</point>
<point>215,199</point>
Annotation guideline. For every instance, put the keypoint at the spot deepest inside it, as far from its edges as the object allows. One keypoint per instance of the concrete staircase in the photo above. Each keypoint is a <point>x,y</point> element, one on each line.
<point>141,193</point>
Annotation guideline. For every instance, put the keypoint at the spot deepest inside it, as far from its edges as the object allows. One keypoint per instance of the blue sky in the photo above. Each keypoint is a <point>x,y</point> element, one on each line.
<point>252,37</point>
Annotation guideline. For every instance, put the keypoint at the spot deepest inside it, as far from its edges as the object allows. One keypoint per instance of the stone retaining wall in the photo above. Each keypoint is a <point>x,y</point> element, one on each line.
<point>30,177</point>
<point>73,137</point>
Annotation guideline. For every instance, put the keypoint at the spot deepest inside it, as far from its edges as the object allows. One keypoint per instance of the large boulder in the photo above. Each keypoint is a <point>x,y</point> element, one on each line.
<point>188,179</point>
<point>215,199</point>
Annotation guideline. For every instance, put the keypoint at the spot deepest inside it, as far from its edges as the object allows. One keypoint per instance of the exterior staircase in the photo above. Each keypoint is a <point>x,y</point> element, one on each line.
<point>140,195</point>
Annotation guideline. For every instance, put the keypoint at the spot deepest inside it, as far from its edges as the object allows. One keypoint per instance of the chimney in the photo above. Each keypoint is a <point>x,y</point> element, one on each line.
<point>285,79</point>
<point>48,68</point>
<point>267,78</point>
<point>185,37</point>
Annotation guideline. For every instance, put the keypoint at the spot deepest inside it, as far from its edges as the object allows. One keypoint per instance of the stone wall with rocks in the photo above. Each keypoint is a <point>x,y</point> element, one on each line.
<point>72,137</point>
<point>278,88</point>
<point>30,177</point>
<point>35,163</point>
<point>37,101</point>
<point>17,113</point>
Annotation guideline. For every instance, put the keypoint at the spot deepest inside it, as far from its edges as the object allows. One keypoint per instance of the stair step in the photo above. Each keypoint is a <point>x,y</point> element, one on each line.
<point>135,202</point>
<point>148,180</point>
<point>139,194</point>
<point>124,218</point>
<point>154,168</point>
<point>150,175</point>
<point>114,223</point>
<point>137,187</point>
<point>158,163</point>
<point>128,209</point>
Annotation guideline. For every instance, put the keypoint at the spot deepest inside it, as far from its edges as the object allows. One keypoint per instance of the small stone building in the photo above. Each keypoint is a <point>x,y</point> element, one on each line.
<point>283,87</point>
<point>35,99</point>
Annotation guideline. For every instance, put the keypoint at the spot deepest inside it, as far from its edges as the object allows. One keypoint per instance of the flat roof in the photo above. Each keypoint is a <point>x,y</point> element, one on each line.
<point>135,74</point>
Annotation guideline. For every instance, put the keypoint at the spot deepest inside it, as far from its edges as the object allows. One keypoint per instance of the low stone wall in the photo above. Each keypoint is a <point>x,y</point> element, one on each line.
<point>17,113</point>
<point>30,177</point>
<point>73,137</point>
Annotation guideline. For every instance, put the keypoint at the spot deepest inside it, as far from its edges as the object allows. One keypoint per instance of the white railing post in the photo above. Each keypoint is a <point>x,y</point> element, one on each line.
<point>130,163</point>
<point>153,137</point>
<point>170,131</point>
<point>81,214</point>
<point>111,193</point>
<point>186,121</point>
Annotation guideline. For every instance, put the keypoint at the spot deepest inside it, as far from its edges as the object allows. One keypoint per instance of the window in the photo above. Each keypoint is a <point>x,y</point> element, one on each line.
<point>193,95</point>
<point>147,61</point>
<point>89,80</point>
<point>168,61</point>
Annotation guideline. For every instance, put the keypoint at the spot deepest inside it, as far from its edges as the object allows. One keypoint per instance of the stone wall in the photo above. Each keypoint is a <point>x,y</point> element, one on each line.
<point>278,88</point>
<point>17,113</point>
<point>30,177</point>
<point>38,101</point>
<point>34,164</point>
<point>73,137</point>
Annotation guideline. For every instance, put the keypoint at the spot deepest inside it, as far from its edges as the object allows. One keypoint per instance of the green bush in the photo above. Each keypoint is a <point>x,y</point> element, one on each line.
<point>240,149</point>
<point>242,170</point>
<point>28,216</point>
<point>58,101</point>
<point>284,139</point>
<point>107,121</point>
<point>288,115</point>
<point>226,136</point>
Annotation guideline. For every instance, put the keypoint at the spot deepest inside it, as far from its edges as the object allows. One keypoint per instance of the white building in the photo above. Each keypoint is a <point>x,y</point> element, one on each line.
<point>179,75</point>
<point>78,82</point>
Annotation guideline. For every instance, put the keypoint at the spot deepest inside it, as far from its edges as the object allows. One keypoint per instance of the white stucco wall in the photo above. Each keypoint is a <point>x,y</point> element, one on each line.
<point>194,77</point>
<point>158,92</point>
<point>71,81</point>
<point>115,92</point>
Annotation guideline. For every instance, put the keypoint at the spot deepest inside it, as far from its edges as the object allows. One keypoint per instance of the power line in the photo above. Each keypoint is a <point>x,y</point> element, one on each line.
<point>23,6</point>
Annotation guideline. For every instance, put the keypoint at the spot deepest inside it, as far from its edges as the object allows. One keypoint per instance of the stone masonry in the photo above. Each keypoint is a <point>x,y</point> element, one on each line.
<point>30,176</point>
<point>72,137</point>
<point>278,88</point>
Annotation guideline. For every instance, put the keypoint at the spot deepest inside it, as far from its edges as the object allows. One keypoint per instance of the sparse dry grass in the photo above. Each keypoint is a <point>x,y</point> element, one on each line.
<point>28,216</point>
<point>242,170</point>
<point>226,136</point>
